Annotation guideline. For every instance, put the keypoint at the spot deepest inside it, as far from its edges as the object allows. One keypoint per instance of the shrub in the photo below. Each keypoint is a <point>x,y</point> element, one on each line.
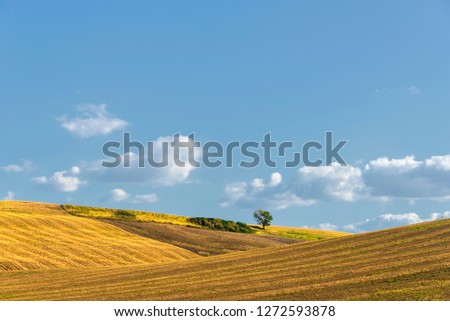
<point>124,214</point>
<point>221,225</point>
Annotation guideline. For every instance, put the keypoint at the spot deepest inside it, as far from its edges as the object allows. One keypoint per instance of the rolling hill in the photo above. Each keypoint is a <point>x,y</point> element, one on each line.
<point>299,233</point>
<point>407,263</point>
<point>201,241</point>
<point>115,216</point>
<point>43,236</point>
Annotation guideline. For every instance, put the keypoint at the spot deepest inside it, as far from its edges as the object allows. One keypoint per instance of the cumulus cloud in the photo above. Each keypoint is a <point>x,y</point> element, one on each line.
<point>238,191</point>
<point>408,218</point>
<point>26,166</point>
<point>286,199</point>
<point>439,162</point>
<point>382,179</point>
<point>63,181</point>
<point>386,221</point>
<point>401,165</point>
<point>9,196</point>
<point>257,193</point>
<point>408,178</point>
<point>94,120</point>
<point>310,185</point>
<point>275,179</point>
<point>120,195</point>
<point>170,175</point>
<point>337,182</point>
<point>327,226</point>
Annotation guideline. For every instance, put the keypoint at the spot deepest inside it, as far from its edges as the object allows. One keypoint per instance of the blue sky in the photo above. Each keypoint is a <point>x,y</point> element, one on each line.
<point>375,74</point>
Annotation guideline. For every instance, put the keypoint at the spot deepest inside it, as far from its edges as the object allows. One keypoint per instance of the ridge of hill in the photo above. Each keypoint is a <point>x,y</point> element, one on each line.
<point>118,215</point>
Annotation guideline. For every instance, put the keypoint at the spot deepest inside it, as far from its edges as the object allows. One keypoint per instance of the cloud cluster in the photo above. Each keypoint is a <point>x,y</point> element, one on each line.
<point>62,181</point>
<point>380,179</point>
<point>344,183</point>
<point>271,195</point>
<point>408,178</point>
<point>120,195</point>
<point>163,176</point>
<point>71,180</point>
<point>94,120</point>
<point>385,221</point>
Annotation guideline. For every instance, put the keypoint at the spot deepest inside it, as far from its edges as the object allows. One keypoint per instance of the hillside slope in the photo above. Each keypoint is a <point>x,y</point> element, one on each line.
<point>299,233</point>
<point>43,236</point>
<point>201,241</point>
<point>115,215</point>
<point>411,262</point>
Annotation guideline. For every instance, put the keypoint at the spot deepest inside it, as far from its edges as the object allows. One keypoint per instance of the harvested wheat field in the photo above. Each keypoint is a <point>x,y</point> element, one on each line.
<point>43,236</point>
<point>200,241</point>
<point>407,263</point>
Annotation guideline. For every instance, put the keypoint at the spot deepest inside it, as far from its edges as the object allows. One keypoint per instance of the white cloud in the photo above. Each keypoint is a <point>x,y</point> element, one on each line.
<point>439,162</point>
<point>13,168</point>
<point>120,195</point>
<point>387,221</point>
<point>258,194</point>
<point>408,218</point>
<point>258,184</point>
<point>235,192</point>
<point>402,165</point>
<point>382,180</point>
<point>170,175</point>
<point>327,226</point>
<point>9,196</point>
<point>337,182</point>
<point>145,198</point>
<point>408,178</point>
<point>286,199</point>
<point>275,179</point>
<point>75,170</point>
<point>63,181</point>
<point>94,120</point>
<point>439,216</point>
<point>26,166</point>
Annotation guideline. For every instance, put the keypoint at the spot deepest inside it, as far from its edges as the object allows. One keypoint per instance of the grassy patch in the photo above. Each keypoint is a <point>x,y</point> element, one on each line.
<point>122,215</point>
<point>125,214</point>
<point>299,233</point>
<point>201,222</point>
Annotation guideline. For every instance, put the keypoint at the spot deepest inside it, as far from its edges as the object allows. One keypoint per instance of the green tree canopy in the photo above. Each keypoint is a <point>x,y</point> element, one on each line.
<point>263,218</point>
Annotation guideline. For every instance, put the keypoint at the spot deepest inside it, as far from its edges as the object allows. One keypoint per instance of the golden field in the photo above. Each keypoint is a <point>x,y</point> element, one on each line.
<point>406,263</point>
<point>43,236</point>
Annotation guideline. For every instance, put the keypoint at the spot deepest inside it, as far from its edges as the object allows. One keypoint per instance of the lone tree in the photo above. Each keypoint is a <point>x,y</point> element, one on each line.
<point>263,218</point>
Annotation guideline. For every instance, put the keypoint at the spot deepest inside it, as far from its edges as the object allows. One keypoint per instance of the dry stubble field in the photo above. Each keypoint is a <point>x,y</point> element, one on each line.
<point>407,263</point>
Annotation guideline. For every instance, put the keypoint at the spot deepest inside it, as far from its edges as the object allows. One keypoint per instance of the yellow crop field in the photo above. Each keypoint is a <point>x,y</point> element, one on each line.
<point>406,263</point>
<point>201,241</point>
<point>300,233</point>
<point>43,236</point>
<point>114,214</point>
